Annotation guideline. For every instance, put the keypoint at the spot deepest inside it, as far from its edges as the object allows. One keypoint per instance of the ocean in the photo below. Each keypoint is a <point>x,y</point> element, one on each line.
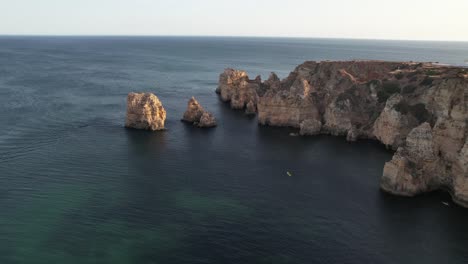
<point>77,187</point>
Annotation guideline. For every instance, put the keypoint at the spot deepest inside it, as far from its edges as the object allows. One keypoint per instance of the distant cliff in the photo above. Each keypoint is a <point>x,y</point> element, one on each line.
<point>417,109</point>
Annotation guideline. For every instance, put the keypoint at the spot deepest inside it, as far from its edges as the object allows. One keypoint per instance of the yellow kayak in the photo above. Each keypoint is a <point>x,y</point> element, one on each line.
<point>289,174</point>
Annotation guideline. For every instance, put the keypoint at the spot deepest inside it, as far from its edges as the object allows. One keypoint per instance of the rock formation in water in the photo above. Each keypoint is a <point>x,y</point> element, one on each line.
<point>236,87</point>
<point>207,120</point>
<point>417,109</point>
<point>197,115</point>
<point>145,111</point>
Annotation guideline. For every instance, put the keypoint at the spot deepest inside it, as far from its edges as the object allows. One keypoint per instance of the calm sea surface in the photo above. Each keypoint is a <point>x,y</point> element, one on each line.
<point>77,187</point>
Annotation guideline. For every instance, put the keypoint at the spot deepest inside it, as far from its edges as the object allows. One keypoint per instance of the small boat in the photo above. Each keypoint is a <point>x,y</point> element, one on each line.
<point>289,174</point>
<point>445,203</point>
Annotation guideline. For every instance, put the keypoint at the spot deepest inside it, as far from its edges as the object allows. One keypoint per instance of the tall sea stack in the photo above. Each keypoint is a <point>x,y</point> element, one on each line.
<point>145,111</point>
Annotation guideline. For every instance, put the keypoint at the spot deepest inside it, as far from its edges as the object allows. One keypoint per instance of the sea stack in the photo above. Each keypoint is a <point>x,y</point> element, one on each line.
<point>417,109</point>
<point>236,88</point>
<point>145,111</point>
<point>197,115</point>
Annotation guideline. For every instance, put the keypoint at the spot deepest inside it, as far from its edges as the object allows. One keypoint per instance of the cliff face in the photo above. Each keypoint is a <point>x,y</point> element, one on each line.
<point>418,109</point>
<point>145,111</point>
<point>236,87</point>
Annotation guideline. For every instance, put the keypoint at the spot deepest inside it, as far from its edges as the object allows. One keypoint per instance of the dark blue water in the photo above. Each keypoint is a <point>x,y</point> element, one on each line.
<point>76,187</point>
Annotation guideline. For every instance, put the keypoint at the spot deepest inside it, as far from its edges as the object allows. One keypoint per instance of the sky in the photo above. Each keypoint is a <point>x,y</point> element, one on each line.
<point>369,19</point>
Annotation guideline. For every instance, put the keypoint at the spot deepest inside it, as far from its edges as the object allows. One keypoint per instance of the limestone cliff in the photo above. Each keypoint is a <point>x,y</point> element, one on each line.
<point>236,87</point>
<point>418,109</point>
<point>145,111</point>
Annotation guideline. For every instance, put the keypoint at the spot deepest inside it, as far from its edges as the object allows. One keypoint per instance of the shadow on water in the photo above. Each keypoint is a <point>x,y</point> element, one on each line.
<point>411,221</point>
<point>142,142</point>
<point>236,115</point>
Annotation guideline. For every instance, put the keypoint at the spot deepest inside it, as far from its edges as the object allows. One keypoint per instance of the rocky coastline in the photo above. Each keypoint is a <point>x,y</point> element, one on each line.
<point>417,109</point>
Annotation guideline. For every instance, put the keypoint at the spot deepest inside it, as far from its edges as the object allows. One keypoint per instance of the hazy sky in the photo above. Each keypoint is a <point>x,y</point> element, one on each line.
<point>377,19</point>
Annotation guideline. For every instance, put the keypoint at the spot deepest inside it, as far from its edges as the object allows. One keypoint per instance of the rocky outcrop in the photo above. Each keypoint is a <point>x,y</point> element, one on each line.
<point>250,109</point>
<point>417,109</point>
<point>392,126</point>
<point>207,120</point>
<point>194,111</point>
<point>236,88</point>
<point>411,171</point>
<point>197,115</point>
<point>310,127</point>
<point>145,111</point>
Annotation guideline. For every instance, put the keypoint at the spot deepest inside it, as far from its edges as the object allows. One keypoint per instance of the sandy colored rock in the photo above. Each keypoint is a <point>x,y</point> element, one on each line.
<point>310,127</point>
<point>412,169</point>
<point>392,127</point>
<point>251,108</point>
<point>353,134</point>
<point>197,115</point>
<point>460,170</point>
<point>194,111</point>
<point>418,109</point>
<point>145,111</point>
<point>236,88</point>
<point>207,120</point>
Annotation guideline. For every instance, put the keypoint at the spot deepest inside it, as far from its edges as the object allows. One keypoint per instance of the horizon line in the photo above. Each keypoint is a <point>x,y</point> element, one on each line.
<point>224,36</point>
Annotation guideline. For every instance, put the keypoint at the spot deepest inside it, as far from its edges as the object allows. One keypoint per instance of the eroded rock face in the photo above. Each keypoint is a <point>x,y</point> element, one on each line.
<point>236,87</point>
<point>310,127</point>
<point>392,126</point>
<point>460,170</point>
<point>251,108</point>
<point>410,172</point>
<point>194,111</point>
<point>145,111</point>
<point>418,109</point>
<point>197,115</point>
<point>207,120</point>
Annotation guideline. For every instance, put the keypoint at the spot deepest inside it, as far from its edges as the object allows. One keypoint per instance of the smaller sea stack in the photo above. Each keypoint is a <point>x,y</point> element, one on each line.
<point>197,115</point>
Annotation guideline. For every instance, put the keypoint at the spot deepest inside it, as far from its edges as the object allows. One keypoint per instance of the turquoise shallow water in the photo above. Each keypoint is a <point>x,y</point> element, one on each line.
<point>76,187</point>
